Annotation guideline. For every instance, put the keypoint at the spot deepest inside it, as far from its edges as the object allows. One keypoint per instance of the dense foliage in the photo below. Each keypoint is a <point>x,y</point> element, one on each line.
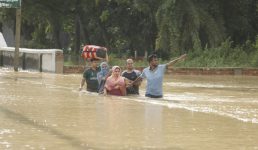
<point>213,33</point>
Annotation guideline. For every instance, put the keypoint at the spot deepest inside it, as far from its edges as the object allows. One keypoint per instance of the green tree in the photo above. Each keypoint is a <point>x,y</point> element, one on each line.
<point>187,24</point>
<point>195,24</point>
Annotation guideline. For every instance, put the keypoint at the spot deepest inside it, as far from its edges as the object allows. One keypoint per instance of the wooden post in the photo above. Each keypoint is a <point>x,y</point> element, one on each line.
<point>145,54</point>
<point>23,61</point>
<point>17,39</point>
<point>40,62</point>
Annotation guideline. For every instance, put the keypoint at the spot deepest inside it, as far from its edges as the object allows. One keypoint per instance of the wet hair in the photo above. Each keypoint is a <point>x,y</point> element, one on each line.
<point>129,59</point>
<point>151,57</point>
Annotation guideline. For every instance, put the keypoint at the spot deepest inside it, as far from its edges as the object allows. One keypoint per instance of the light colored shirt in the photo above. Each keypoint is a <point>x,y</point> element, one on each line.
<point>154,79</point>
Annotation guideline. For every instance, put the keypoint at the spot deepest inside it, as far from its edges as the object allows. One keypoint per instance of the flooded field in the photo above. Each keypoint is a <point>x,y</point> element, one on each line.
<point>46,111</point>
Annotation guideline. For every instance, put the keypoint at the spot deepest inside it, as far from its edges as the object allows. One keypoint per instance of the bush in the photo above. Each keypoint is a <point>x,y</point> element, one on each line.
<point>254,60</point>
<point>223,56</point>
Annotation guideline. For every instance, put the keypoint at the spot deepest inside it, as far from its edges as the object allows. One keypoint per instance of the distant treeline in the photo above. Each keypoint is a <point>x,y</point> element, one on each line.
<point>212,32</point>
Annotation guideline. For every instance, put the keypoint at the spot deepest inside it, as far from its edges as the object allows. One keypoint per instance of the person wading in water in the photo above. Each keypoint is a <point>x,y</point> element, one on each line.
<point>130,75</point>
<point>154,75</point>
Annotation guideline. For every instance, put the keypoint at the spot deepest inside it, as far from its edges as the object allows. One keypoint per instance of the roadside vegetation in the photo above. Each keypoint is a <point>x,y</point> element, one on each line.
<point>225,55</point>
<point>213,33</point>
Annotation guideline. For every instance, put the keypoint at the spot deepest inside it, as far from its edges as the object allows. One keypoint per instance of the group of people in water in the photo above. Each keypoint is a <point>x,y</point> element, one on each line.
<point>113,81</point>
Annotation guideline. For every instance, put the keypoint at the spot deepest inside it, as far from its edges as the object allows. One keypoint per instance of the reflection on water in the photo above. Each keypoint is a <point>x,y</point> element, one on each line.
<point>235,97</point>
<point>46,111</point>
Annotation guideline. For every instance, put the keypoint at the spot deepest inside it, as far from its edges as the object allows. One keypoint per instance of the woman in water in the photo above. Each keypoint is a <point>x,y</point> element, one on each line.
<point>102,76</point>
<point>115,84</point>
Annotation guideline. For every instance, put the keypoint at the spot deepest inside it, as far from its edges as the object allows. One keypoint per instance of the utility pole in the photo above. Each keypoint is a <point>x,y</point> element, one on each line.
<point>17,39</point>
<point>15,4</point>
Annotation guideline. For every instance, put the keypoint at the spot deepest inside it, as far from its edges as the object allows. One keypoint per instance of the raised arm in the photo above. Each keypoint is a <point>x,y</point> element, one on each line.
<point>107,59</point>
<point>172,62</point>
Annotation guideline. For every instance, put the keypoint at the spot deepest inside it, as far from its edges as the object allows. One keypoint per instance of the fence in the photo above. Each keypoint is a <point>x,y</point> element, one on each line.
<point>43,60</point>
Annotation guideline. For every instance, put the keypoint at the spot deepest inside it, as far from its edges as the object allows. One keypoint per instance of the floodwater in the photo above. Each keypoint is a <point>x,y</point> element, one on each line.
<point>46,111</point>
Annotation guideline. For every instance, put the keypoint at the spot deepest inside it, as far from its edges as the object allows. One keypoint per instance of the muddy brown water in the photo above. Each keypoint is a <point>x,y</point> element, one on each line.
<point>46,111</point>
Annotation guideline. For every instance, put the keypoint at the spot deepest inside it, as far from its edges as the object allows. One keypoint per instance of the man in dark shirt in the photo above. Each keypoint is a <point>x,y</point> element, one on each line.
<point>131,74</point>
<point>90,76</point>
